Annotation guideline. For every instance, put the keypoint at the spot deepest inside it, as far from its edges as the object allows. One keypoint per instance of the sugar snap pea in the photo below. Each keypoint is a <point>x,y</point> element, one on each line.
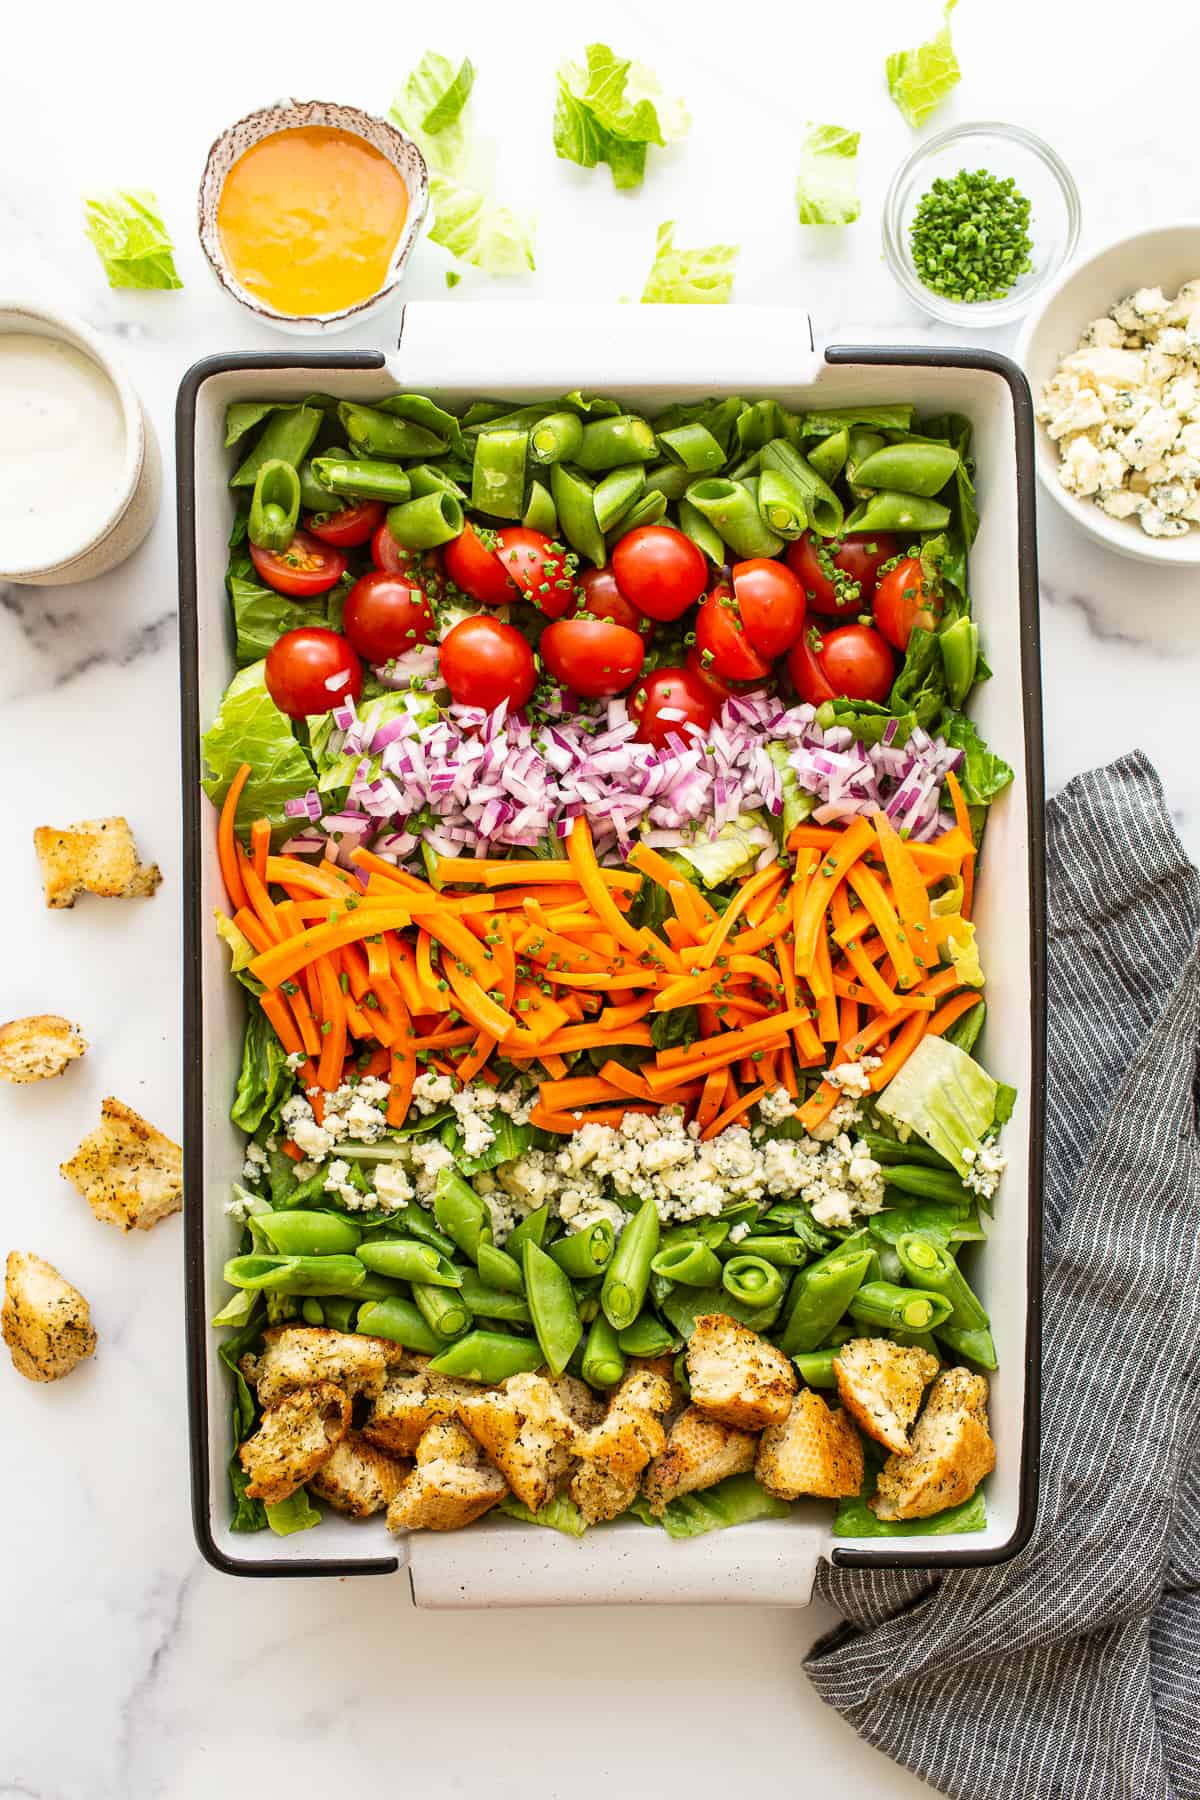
<point>616,492</point>
<point>628,1273</point>
<point>608,443</point>
<point>731,508</point>
<point>784,1252</point>
<point>340,1311</point>
<point>362,480</point>
<point>929,1265</point>
<point>822,1293</point>
<point>488,1356</point>
<point>499,1270</point>
<point>861,444</point>
<point>302,1233</point>
<point>647,509</point>
<point>498,472</point>
<point>928,1184</point>
<point>555,1314</point>
<point>885,1305</point>
<point>753,1281</point>
<point>404,1259</point>
<point>314,496</point>
<point>399,1320</point>
<point>275,506</point>
<point>691,1262</point>
<point>540,513</point>
<point>312,1312</point>
<point>603,1362</point>
<point>296,1275</point>
<point>494,1303</point>
<point>425,523</point>
<point>670,479</point>
<point>781,504</point>
<point>587,1252</point>
<point>371,433</point>
<point>460,1212</point>
<point>575,503</point>
<point>693,446</point>
<point>816,1368</point>
<point>443,1309</point>
<point>909,468</point>
<point>647,1336</point>
<point>288,435</point>
<point>706,537</point>
<point>959,647</point>
<point>531,1228</point>
<point>414,1222</point>
<point>886,510</point>
<point>427,478</point>
<point>965,1030</point>
<point>828,457</point>
<point>556,438</point>
<point>822,505</point>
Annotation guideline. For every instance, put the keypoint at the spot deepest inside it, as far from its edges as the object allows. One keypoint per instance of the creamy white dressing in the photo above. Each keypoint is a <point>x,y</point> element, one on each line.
<point>62,450</point>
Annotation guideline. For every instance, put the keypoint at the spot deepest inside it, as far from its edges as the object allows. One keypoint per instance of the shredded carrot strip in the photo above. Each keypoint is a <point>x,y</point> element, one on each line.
<point>470,1065</point>
<point>725,1119</point>
<point>912,899</point>
<point>582,857</point>
<point>567,1122</point>
<point>615,1018</point>
<point>946,1015</point>
<point>962,819</point>
<point>838,861</point>
<point>870,891</point>
<point>260,844</point>
<point>898,1051</point>
<point>333,1043</point>
<point>227,844</point>
<point>273,1006</point>
<point>583,1090</point>
<point>253,929</point>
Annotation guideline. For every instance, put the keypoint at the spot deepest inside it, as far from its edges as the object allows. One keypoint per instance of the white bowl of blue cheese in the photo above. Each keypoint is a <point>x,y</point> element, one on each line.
<point>1113,357</point>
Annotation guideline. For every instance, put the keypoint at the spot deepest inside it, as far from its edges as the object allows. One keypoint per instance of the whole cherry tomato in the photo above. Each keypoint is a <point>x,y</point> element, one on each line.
<point>593,657</point>
<point>660,570</point>
<point>771,603</point>
<point>669,700</point>
<point>312,670</point>
<point>485,661</point>
<point>601,598</point>
<point>385,616</point>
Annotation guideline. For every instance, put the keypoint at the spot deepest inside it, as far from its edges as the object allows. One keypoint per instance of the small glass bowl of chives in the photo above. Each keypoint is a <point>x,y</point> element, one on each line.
<point>1006,153</point>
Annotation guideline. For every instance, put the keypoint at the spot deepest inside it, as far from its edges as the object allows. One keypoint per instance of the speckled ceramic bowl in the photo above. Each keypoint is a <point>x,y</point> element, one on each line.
<point>137,485</point>
<point>290,115</point>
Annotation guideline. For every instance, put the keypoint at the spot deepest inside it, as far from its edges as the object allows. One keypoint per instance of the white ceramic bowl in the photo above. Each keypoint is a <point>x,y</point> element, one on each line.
<point>290,115</point>
<point>1164,257</point>
<point>137,484</point>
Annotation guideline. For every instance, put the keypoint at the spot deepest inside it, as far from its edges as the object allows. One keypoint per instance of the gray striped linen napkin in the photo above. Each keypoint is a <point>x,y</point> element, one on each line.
<point>1074,1670</point>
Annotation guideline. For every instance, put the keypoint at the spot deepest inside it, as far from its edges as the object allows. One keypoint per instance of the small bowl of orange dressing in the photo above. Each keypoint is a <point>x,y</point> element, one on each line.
<point>308,212</point>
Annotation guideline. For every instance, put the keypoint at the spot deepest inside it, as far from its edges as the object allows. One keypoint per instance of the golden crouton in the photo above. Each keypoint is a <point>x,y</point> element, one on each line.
<point>452,1485</point>
<point>96,856</point>
<point>700,1451</point>
<point>359,1479</point>
<point>581,1405</point>
<point>46,1323</point>
<point>294,1437</point>
<point>406,1405</point>
<point>815,1451</point>
<point>601,1494</point>
<point>129,1173</point>
<point>37,1048</point>
<point>881,1384</point>
<point>526,1431</point>
<point>736,1376</point>
<point>631,1432</point>
<point>952,1451</point>
<point>298,1355</point>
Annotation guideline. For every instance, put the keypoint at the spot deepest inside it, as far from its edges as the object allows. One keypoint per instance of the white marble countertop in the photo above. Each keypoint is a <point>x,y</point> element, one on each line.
<point>130,1669</point>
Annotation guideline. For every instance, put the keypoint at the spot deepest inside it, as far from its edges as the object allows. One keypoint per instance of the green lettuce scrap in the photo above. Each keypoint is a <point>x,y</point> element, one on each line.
<point>296,1513</point>
<point>854,1519</point>
<point>560,1514</point>
<point>249,728</point>
<point>130,239</point>
<point>610,111</point>
<point>494,239</point>
<point>738,1500</point>
<point>265,1079</point>
<point>919,80</point>
<point>700,277</point>
<point>946,1098</point>
<point>827,187</point>
<point>430,106</point>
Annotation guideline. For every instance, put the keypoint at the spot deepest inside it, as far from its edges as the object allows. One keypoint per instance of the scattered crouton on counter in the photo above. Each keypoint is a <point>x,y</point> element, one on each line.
<point>881,1384</point>
<point>736,1376</point>
<point>815,1451</point>
<point>96,856</point>
<point>952,1451</point>
<point>38,1048</point>
<point>452,1485</point>
<point>46,1323</point>
<point>129,1173</point>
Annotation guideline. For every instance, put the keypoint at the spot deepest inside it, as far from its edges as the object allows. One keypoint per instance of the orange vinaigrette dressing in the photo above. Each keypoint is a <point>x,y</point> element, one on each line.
<point>309,219</point>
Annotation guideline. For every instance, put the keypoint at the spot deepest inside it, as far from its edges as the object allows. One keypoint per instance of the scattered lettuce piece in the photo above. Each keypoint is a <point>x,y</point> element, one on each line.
<point>249,727</point>
<point>492,238</point>
<point>983,773</point>
<point>827,188</point>
<point>730,855</point>
<point>560,1514</point>
<point>265,1078</point>
<point>701,277</point>
<point>131,239</point>
<point>738,1500</point>
<point>296,1513</point>
<point>241,950</point>
<point>237,1309</point>
<point>919,80</point>
<point>452,278</point>
<point>430,105</point>
<point>943,1095</point>
<point>855,1519</point>
<point>610,111</point>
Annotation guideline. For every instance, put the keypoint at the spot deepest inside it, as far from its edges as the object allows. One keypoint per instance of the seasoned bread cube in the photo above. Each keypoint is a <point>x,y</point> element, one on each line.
<point>294,1438</point>
<point>96,856</point>
<point>37,1048</point>
<point>881,1384</point>
<point>524,1429</point>
<point>45,1322</point>
<point>815,1451</point>
<point>600,1493</point>
<point>631,1432</point>
<point>581,1405</point>
<point>736,1376</point>
<point>700,1451</point>
<point>452,1485</point>
<point>129,1173</point>
<point>296,1356</point>
<point>359,1479</point>
<point>952,1451</point>
<point>407,1405</point>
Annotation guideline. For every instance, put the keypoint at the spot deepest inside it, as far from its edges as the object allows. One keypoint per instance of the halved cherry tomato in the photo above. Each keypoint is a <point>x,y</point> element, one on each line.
<point>593,657</point>
<point>771,602</point>
<point>353,525</point>
<point>808,677</point>
<point>601,598</point>
<point>484,661</point>
<point>302,665</point>
<point>722,641</point>
<point>838,574</point>
<point>667,702</point>
<point>473,566</point>
<point>902,603</point>
<point>660,570</point>
<point>539,567</point>
<point>305,568</point>
<point>718,691</point>
<point>385,616</point>
<point>851,662</point>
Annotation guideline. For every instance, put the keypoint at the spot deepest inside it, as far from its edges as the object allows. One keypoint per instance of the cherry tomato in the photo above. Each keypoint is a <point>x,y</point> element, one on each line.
<point>838,574</point>
<point>593,657</point>
<point>668,701</point>
<point>475,568</point>
<point>539,567</point>
<point>660,570</point>
<point>353,525</point>
<point>385,615</point>
<point>808,677</point>
<point>302,663</point>
<point>771,602</point>
<point>722,641</point>
<point>485,661</point>
<point>857,663</point>
<point>901,603</point>
<point>305,568</point>
<point>718,691</point>
<point>601,598</point>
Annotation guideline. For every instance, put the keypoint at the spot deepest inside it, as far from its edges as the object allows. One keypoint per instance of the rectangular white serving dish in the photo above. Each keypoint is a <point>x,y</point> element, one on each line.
<point>648,356</point>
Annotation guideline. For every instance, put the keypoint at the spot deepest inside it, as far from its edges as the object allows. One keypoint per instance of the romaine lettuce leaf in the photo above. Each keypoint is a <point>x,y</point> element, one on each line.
<point>728,856</point>
<point>492,238</point>
<point>610,111</point>
<point>265,1078</point>
<point>943,1095</point>
<point>982,774</point>
<point>248,1515</point>
<point>919,80</point>
<point>429,107</point>
<point>131,239</point>
<point>260,615</point>
<point>249,728</point>
<point>854,1519</point>
<point>738,1500</point>
<point>700,277</point>
<point>560,1514</point>
<point>826,187</point>
<point>296,1513</point>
